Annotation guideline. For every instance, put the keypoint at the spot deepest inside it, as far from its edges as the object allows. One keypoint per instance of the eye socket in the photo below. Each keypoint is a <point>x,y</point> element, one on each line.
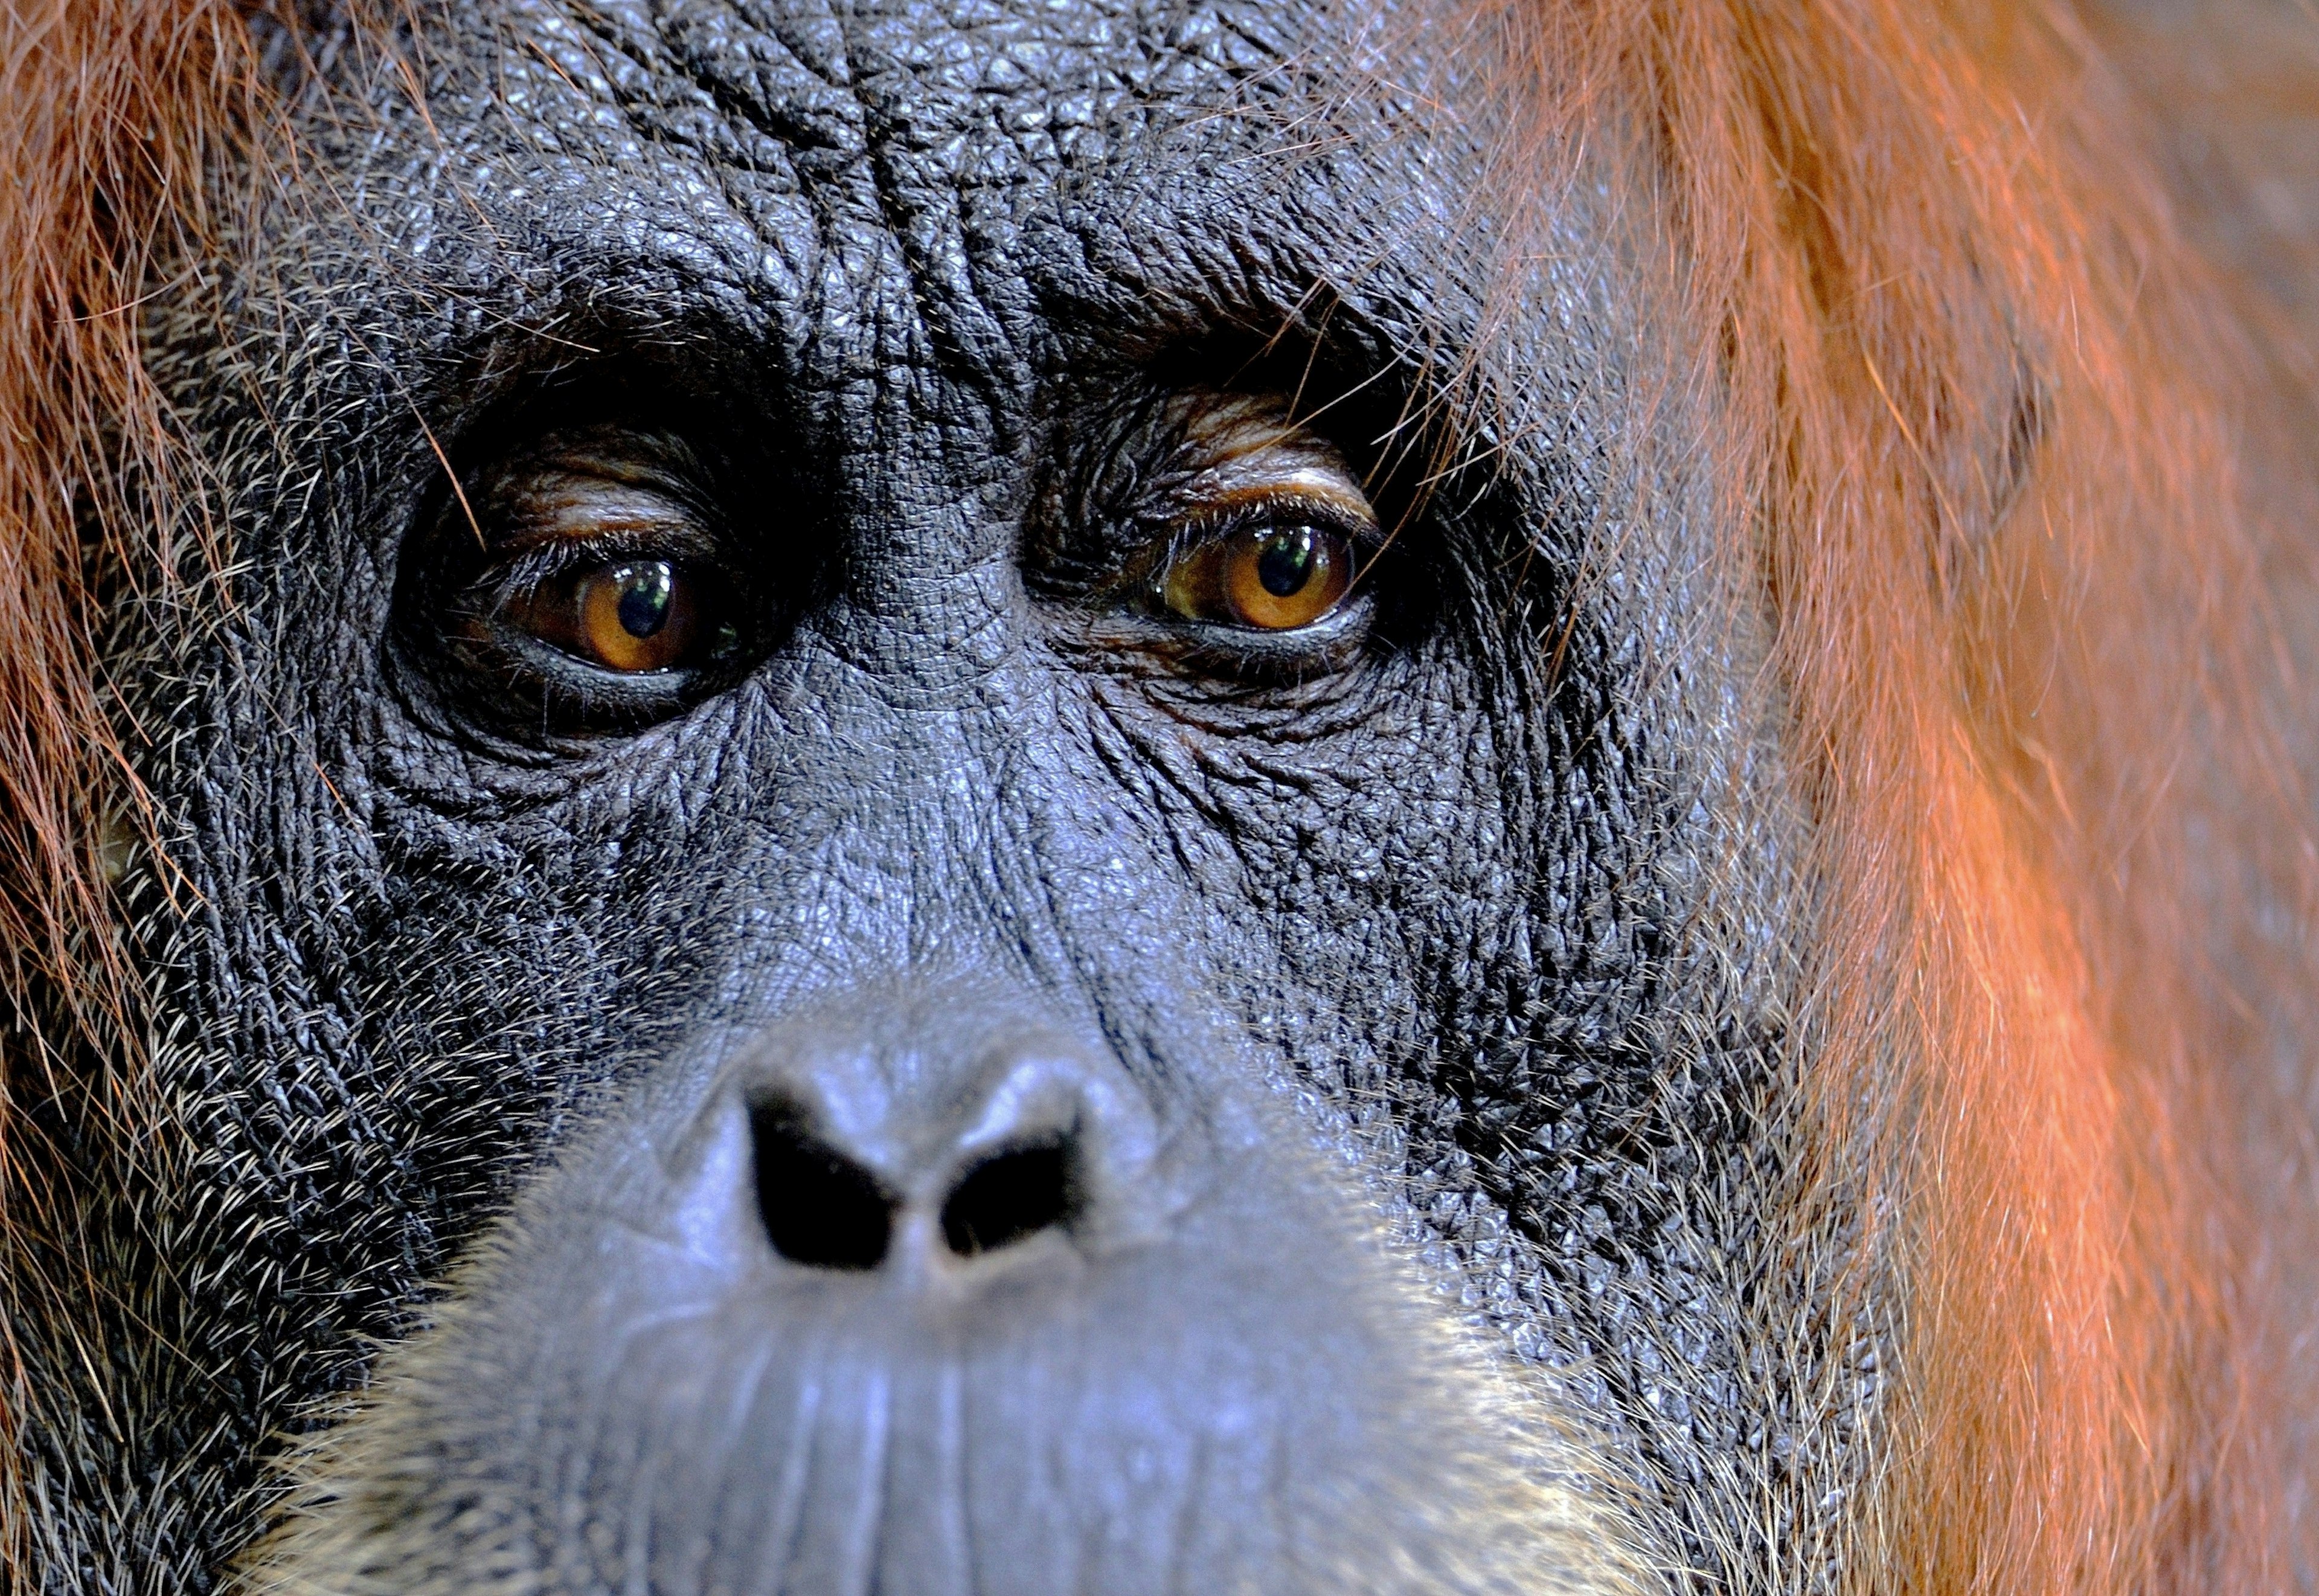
<point>585,581</point>
<point>1275,575</point>
<point>631,617</point>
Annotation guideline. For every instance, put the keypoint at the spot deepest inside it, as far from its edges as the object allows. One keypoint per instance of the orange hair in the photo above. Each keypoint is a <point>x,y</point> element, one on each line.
<point>113,117</point>
<point>2010,459</point>
<point>2022,494</point>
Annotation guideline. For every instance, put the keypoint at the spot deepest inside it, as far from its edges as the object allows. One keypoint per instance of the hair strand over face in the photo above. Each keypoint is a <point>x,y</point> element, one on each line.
<point>115,118</point>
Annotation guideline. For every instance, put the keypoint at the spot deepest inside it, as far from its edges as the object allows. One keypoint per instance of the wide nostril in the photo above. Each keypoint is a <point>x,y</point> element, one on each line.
<point>820,1207</point>
<point>1010,1198</point>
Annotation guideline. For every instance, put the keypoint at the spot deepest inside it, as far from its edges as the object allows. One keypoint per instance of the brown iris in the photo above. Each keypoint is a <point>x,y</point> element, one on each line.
<point>633,617</point>
<point>1274,576</point>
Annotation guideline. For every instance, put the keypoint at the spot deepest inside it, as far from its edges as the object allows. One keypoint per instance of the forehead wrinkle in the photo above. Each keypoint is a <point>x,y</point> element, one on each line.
<point>886,190</point>
<point>639,218</point>
<point>964,148</point>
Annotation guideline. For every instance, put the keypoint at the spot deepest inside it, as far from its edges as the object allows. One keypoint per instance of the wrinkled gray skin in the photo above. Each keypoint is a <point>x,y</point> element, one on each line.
<point>1404,1014</point>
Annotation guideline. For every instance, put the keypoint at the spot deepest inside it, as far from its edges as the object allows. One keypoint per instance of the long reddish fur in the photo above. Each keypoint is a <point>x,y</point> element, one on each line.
<point>2011,451</point>
<point>113,115</point>
<point>2025,476</point>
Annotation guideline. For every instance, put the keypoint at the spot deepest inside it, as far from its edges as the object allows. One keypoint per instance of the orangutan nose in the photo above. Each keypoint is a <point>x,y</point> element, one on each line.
<point>927,1291</point>
<point>948,1153</point>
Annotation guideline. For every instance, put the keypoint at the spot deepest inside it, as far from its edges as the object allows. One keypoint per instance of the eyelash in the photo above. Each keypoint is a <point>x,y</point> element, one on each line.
<point>554,558</point>
<point>1203,526</point>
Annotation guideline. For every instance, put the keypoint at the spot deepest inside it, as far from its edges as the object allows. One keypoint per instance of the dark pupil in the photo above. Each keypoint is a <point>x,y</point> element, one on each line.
<point>1284,562</point>
<point>644,597</point>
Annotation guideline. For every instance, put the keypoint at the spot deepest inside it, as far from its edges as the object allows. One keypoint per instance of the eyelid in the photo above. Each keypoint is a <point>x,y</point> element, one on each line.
<point>1313,481</point>
<point>553,509</point>
<point>1236,484</point>
<point>1322,498</point>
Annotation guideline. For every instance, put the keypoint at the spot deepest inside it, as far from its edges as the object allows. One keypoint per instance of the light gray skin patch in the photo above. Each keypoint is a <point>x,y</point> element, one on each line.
<point>1449,956</point>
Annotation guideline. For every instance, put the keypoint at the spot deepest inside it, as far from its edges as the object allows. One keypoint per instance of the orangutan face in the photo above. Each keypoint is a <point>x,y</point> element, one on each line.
<point>954,823</point>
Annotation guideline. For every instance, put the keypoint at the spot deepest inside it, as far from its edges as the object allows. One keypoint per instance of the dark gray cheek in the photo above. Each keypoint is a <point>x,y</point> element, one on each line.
<point>1466,918</point>
<point>1312,843</point>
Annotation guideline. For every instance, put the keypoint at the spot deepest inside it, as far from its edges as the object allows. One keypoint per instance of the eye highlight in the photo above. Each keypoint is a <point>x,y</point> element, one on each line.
<point>1271,576</point>
<point>631,617</point>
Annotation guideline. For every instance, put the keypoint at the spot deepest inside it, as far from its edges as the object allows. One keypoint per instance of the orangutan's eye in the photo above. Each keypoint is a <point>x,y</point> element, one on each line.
<point>588,581</point>
<point>1269,527</point>
<point>1272,576</point>
<point>628,616</point>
